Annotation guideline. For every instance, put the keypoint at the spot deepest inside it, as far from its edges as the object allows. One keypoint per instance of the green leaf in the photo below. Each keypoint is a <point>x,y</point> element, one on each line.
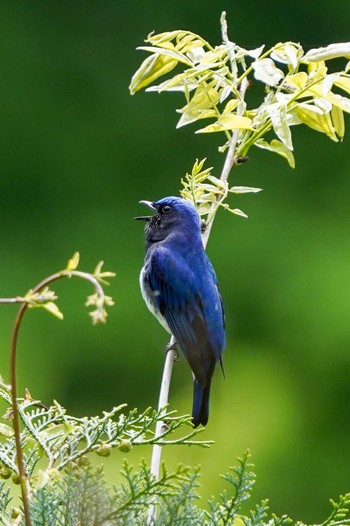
<point>338,121</point>
<point>52,309</point>
<point>321,123</point>
<point>244,190</point>
<point>228,122</point>
<point>278,147</point>
<point>298,80</point>
<point>200,106</point>
<point>73,262</point>
<point>343,83</point>
<point>168,53</point>
<point>152,68</point>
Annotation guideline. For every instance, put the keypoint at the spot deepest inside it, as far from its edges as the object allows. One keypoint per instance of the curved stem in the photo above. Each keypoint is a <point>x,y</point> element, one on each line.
<point>13,373</point>
<point>13,380</point>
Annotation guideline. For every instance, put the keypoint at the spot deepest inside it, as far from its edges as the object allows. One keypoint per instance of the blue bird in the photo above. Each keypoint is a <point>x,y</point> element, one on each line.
<point>179,286</point>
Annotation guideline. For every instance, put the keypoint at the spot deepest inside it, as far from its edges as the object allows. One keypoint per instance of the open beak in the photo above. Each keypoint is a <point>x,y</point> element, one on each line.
<point>145,218</point>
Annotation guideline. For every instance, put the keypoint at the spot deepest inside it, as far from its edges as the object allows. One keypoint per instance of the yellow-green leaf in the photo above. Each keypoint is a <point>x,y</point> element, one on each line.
<point>169,53</point>
<point>278,147</point>
<point>338,121</point>
<point>228,122</point>
<point>321,123</point>
<point>162,39</point>
<point>151,69</point>
<point>74,261</point>
<point>287,53</point>
<point>53,309</point>
<point>298,80</point>
<point>230,106</point>
<point>343,83</point>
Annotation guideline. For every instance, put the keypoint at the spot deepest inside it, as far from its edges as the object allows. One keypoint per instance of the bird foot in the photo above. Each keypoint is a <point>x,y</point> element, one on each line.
<point>173,347</point>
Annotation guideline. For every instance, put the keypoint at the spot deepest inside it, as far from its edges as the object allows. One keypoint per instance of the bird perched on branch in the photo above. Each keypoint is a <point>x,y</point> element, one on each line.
<point>180,288</point>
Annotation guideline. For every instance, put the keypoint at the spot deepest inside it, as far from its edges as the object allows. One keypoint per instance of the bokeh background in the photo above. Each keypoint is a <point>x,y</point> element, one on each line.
<point>77,153</point>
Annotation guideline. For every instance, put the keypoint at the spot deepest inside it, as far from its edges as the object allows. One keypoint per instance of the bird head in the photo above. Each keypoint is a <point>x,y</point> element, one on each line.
<point>172,214</point>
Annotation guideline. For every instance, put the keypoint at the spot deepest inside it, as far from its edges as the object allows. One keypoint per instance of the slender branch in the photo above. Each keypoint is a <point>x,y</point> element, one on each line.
<point>229,163</point>
<point>13,380</point>
<point>12,300</point>
<point>13,369</point>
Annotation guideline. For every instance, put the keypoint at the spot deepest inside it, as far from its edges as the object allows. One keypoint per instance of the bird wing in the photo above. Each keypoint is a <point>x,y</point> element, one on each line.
<point>179,300</point>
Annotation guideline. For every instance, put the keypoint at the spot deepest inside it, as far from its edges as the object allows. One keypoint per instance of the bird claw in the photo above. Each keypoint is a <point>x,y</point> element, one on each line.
<point>173,347</point>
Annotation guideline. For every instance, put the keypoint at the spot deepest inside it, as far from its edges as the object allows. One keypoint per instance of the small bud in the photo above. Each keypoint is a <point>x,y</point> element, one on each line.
<point>15,513</point>
<point>104,450</point>
<point>83,461</point>
<point>5,472</point>
<point>15,478</point>
<point>125,446</point>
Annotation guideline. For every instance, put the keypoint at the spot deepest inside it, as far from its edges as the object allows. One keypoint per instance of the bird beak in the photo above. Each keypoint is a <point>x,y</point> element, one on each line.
<point>145,218</point>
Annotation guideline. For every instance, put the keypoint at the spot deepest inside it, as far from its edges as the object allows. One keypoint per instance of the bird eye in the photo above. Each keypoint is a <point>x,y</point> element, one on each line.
<point>166,209</point>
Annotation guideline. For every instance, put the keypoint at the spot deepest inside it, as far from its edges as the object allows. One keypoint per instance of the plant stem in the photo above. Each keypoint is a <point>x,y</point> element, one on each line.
<point>13,373</point>
<point>13,380</point>
<point>229,163</point>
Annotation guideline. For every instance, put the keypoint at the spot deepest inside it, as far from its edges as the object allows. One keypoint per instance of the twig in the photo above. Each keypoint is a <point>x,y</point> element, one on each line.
<point>229,163</point>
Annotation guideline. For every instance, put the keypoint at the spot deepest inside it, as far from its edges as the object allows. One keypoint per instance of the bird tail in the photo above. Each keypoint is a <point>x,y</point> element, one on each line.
<point>200,410</point>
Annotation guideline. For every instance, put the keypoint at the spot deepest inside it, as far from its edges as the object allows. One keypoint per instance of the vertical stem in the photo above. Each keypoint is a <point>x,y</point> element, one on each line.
<point>162,402</point>
<point>16,426</point>
<point>230,161</point>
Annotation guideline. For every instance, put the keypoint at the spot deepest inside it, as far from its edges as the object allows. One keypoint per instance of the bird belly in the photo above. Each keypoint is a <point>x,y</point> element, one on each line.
<point>149,297</point>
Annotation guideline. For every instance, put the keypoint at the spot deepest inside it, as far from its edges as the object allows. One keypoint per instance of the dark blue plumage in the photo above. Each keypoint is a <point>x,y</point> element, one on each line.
<point>179,286</point>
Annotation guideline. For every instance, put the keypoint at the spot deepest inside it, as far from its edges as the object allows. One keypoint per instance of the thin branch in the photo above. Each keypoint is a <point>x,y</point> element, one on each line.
<point>13,380</point>
<point>18,299</point>
<point>13,371</point>
<point>230,162</point>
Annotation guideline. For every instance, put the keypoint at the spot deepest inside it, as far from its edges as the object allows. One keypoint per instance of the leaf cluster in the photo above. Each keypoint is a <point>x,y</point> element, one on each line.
<point>299,88</point>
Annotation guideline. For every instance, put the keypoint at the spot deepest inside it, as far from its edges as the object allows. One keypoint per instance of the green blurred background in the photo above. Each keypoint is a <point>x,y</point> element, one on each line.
<point>77,153</point>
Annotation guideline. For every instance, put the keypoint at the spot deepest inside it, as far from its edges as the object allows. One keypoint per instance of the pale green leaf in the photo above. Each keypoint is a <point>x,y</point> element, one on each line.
<point>169,53</point>
<point>230,106</point>
<point>151,68</point>
<point>338,121</point>
<point>244,190</point>
<point>298,80</point>
<point>343,83</point>
<point>162,39</point>
<point>235,211</point>
<point>278,147</point>
<point>255,53</point>
<point>287,53</point>
<point>182,82</point>
<point>228,122</point>
<point>200,105</point>
<point>53,309</point>
<point>327,53</point>
<point>278,115</point>
<point>195,115</point>
<point>321,123</point>
<point>266,71</point>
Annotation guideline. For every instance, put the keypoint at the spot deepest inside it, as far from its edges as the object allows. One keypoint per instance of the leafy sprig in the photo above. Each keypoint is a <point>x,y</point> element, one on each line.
<point>300,88</point>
